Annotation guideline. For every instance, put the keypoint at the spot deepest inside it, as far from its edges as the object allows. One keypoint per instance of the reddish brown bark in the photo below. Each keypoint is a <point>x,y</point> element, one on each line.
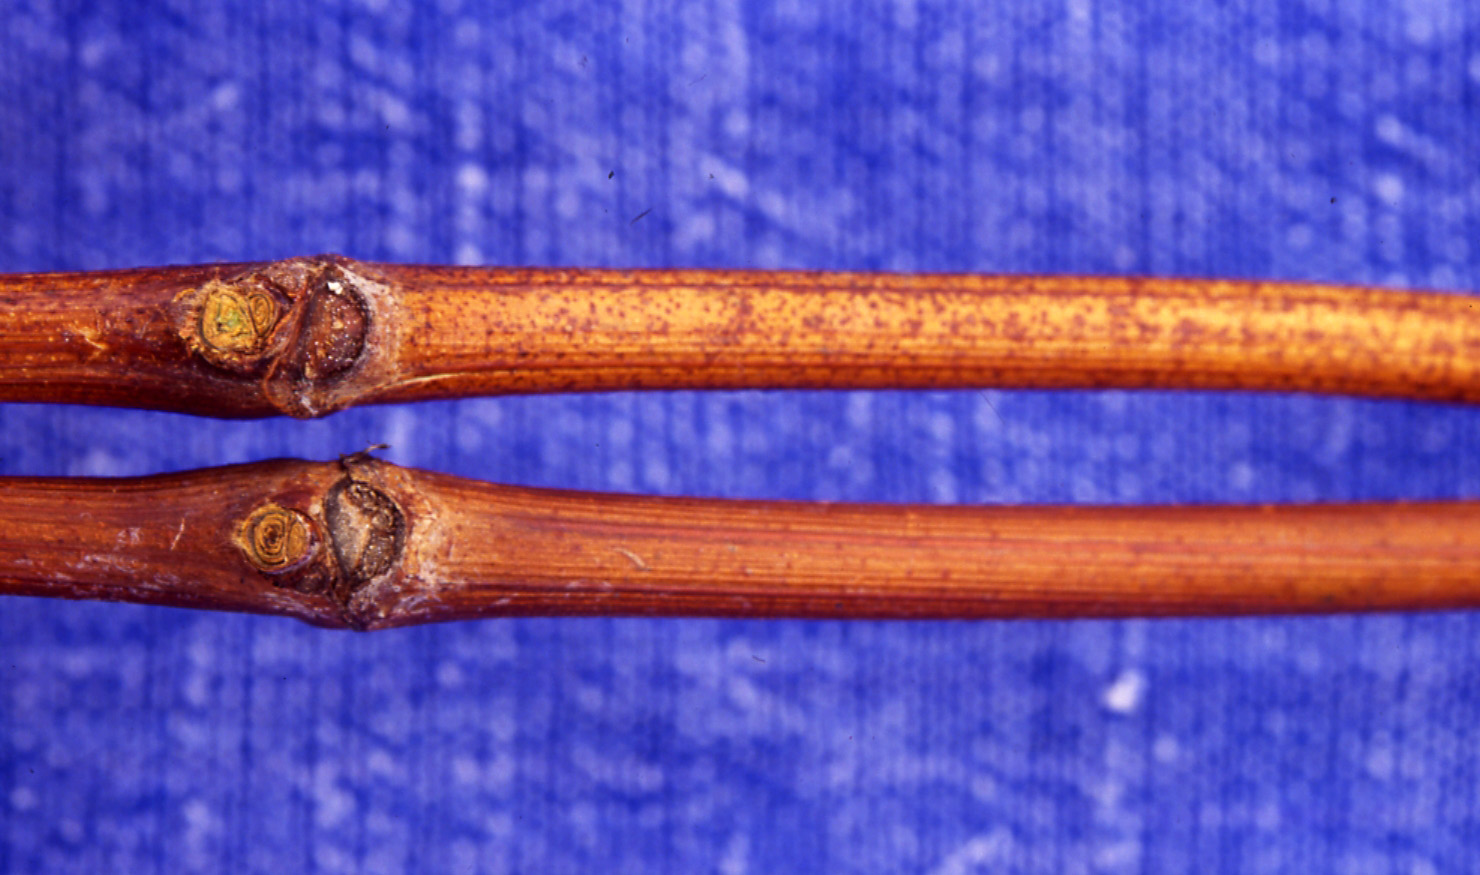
<point>308,336</point>
<point>364,544</point>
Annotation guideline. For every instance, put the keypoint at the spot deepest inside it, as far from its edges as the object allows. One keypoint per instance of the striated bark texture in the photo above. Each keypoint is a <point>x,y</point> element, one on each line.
<point>308,336</point>
<point>363,544</point>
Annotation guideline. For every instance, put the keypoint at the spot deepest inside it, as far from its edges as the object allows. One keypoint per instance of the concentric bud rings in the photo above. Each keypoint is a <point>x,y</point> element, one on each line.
<point>276,539</point>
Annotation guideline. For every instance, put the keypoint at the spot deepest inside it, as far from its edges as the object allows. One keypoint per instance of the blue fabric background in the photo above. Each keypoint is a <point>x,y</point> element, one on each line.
<point>1319,140</point>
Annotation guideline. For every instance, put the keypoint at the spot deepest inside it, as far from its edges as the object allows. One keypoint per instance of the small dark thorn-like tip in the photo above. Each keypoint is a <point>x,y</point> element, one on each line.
<point>365,455</point>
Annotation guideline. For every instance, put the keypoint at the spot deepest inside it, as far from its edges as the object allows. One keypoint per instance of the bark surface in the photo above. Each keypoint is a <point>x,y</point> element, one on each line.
<point>308,336</point>
<point>363,544</point>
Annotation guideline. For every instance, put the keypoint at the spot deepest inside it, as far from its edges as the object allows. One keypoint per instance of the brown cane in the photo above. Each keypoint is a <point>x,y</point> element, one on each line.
<point>364,544</point>
<point>311,335</point>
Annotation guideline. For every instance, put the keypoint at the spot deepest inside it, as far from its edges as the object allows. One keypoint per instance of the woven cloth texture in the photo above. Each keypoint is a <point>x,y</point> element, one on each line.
<point>1292,139</point>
